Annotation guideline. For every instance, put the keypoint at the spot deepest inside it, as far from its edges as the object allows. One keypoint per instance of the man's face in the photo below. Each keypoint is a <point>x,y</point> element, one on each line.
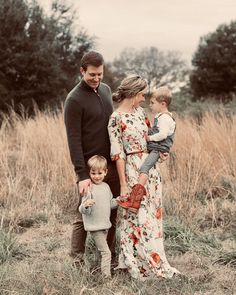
<point>93,75</point>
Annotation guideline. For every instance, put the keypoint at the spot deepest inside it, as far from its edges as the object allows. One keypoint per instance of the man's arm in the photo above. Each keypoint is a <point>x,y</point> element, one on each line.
<point>73,122</point>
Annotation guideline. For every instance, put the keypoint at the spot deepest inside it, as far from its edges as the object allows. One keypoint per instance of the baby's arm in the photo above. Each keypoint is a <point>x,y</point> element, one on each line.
<point>113,201</point>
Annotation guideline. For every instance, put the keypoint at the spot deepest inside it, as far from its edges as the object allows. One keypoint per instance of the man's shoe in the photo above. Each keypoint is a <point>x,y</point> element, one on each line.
<point>114,260</point>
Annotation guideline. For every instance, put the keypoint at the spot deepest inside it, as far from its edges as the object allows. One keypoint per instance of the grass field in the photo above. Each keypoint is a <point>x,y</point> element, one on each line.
<point>37,191</point>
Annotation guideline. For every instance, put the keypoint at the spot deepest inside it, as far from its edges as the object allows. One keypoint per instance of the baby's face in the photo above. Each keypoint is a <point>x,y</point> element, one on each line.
<point>155,105</point>
<point>97,176</point>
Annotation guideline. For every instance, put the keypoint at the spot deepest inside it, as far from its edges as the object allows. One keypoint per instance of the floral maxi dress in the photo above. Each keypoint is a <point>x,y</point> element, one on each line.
<point>141,235</point>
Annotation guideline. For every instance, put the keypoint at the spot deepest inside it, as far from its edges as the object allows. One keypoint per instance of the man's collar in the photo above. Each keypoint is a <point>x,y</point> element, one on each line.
<point>85,86</point>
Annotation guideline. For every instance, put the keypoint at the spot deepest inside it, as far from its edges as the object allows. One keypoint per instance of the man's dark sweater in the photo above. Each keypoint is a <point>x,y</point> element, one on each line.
<point>86,118</point>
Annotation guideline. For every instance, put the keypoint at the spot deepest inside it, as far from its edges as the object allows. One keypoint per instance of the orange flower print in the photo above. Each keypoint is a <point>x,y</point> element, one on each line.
<point>146,224</point>
<point>155,259</point>
<point>159,235</point>
<point>158,213</point>
<point>140,154</point>
<point>123,126</point>
<point>138,229</point>
<point>147,122</point>
<point>142,270</point>
<point>134,238</point>
<point>115,158</point>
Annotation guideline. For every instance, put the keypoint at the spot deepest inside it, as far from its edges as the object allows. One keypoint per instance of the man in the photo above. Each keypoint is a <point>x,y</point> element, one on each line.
<point>87,110</point>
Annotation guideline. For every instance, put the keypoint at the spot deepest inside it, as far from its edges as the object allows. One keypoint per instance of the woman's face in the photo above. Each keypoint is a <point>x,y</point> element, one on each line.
<point>139,98</point>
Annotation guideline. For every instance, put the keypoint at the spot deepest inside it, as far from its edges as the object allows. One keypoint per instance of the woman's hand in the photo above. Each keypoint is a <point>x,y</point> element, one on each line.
<point>124,190</point>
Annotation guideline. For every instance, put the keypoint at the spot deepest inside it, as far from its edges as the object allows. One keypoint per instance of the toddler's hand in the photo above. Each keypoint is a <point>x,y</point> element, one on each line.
<point>89,203</point>
<point>122,199</point>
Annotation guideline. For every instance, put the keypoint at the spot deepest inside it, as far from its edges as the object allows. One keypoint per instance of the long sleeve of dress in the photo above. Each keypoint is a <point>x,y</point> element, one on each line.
<point>115,134</point>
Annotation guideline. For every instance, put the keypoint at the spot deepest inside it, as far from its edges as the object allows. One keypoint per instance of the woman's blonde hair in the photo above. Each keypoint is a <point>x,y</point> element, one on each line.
<point>129,87</point>
<point>97,162</point>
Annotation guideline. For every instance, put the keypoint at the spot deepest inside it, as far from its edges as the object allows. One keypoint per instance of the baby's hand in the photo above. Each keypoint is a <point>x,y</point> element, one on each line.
<point>163,157</point>
<point>146,136</point>
<point>89,203</point>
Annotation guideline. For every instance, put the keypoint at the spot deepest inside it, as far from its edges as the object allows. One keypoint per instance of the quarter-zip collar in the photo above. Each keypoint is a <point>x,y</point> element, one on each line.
<point>85,86</point>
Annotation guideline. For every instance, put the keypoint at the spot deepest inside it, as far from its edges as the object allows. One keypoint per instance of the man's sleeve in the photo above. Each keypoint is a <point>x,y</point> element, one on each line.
<point>73,122</point>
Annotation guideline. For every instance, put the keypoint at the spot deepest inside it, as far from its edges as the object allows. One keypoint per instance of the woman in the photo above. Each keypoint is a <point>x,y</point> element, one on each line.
<point>141,234</point>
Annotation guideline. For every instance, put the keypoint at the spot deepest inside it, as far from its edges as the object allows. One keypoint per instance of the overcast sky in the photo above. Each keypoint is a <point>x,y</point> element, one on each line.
<point>165,24</point>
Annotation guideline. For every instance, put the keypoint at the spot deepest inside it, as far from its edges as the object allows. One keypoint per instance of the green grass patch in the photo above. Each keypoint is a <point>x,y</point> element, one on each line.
<point>227,258</point>
<point>9,248</point>
<point>180,238</point>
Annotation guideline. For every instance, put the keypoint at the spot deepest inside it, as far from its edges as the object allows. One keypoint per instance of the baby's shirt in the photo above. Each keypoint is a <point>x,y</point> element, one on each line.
<point>166,126</point>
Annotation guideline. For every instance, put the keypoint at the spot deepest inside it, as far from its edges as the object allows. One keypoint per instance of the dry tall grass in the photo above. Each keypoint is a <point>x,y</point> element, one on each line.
<point>37,176</point>
<point>37,190</point>
<point>36,173</point>
<point>202,168</point>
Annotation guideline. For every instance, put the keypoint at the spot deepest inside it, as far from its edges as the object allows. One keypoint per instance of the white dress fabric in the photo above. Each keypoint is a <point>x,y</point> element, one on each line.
<point>141,235</point>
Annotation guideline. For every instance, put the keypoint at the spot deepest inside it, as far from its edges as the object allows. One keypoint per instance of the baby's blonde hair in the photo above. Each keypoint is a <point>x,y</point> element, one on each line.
<point>161,94</point>
<point>97,162</point>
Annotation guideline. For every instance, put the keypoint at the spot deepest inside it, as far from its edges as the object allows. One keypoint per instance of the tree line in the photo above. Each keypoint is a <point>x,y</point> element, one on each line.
<point>40,58</point>
<point>39,54</point>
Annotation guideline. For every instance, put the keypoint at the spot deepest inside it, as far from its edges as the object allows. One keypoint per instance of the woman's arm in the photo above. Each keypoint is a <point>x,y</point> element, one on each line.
<point>120,166</point>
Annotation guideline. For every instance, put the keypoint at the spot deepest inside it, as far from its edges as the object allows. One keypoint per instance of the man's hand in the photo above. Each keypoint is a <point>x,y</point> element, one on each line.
<point>163,157</point>
<point>84,186</point>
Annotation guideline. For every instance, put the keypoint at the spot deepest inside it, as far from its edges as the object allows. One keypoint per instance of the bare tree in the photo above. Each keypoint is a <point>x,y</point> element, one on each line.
<point>151,63</point>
